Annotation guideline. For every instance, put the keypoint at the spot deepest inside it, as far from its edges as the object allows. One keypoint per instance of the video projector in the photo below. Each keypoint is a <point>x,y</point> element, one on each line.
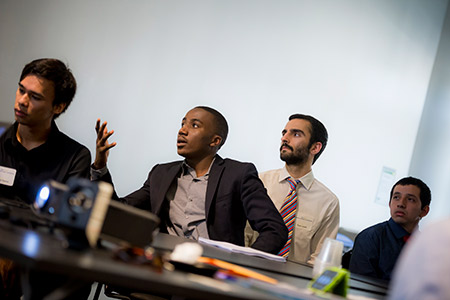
<point>86,209</point>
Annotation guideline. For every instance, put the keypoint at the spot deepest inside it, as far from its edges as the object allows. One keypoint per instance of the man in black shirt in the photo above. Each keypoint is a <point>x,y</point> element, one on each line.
<point>33,150</point>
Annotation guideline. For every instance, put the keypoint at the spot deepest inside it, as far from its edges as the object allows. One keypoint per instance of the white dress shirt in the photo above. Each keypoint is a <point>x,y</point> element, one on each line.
<point>317,214</point>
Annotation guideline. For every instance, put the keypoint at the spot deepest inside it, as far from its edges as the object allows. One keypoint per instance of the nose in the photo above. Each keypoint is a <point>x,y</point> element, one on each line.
<point>284,138</point>
<point>402,203</point>
<point>23,99</point>
<point>183,130</point>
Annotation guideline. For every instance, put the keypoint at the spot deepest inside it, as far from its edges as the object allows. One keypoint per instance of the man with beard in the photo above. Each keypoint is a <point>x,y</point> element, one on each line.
<point>309,209</point>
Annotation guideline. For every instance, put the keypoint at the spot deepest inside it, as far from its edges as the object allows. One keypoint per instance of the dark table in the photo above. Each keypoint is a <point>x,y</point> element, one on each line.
<point>38,248</point>
<point>45,252</point>
<point>294,273</point>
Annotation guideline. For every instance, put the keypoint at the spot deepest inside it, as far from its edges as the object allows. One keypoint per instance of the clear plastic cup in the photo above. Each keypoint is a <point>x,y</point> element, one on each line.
<point>329,256</point>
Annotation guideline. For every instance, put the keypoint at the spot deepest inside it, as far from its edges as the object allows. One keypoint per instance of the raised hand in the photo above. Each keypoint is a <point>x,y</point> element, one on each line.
<point>102,145</point>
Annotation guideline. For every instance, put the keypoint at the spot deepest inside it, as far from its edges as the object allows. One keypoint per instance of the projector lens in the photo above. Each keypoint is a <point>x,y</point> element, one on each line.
<point>42,197</point>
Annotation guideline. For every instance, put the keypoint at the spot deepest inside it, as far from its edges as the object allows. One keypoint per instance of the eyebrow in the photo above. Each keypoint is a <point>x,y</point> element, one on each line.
<point>408,194</point>
<point>32,92</point>
<point>293,131</point>
<point>192,120</point>
<point>298,131</point>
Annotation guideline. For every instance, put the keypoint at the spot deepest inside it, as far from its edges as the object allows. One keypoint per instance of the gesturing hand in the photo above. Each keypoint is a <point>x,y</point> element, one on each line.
<point>102,145</point>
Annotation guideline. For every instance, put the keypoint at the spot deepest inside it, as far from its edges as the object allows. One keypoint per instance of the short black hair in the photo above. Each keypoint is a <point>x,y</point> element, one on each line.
<point>220,121</point>
<point>318,132</point>
<point>425,192</point>
<point>57,72</point>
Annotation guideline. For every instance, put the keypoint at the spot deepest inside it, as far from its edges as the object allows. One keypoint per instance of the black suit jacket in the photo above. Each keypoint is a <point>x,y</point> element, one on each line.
<point>234,195</point>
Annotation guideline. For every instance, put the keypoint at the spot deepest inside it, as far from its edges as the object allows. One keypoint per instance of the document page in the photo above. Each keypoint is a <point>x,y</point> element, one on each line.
<point>239,249</point>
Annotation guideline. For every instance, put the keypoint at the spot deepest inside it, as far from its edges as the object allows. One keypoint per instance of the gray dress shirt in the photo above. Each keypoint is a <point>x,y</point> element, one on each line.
<point>187,204</point>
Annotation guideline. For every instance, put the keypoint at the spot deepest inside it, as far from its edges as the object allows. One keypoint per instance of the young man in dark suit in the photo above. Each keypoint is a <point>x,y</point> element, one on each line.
<point>204,195</point>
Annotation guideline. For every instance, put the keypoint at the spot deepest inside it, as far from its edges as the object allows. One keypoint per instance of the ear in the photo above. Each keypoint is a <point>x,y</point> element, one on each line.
<point>216,140</point>
<point>315,148</point>
<point>424,211</point>
<point>58,108</point>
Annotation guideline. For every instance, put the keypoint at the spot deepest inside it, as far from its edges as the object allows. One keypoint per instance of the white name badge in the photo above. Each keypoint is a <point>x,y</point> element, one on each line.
<point>7,176</point>
<point>304,222</point>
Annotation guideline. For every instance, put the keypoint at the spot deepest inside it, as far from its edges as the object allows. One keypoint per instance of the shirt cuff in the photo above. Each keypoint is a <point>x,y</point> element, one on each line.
<point>97,174</point>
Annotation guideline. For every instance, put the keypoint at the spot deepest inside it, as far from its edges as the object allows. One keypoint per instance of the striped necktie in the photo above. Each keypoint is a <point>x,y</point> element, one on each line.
<point>287,211</point>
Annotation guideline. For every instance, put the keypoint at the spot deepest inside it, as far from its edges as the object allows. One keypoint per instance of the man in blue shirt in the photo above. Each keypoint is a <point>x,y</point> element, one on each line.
<point>377,248</point>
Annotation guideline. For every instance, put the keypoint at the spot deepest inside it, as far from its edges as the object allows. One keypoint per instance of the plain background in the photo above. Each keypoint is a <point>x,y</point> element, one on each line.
<point>374,72</point>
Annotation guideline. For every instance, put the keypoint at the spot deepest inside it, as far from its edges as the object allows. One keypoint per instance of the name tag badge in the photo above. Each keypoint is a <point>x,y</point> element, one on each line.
<point>304,223</point>
<point>7,176</point>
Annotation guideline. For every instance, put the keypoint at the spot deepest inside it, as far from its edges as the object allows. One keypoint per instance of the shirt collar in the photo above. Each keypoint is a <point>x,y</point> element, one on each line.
<point>307,180</point>
<point>187,169</point>
<point>51,137</point>
<point>10,134</point>
<point>397,229</point>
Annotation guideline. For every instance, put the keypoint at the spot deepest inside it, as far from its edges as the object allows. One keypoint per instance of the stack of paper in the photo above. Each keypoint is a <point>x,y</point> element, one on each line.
<point>239,249</point>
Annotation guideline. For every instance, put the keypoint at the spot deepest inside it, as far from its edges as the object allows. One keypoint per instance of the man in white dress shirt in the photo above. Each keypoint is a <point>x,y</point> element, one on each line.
<point>317,211</point>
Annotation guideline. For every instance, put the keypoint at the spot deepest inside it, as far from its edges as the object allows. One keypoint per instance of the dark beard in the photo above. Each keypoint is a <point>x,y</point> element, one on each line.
<point>297,157</point>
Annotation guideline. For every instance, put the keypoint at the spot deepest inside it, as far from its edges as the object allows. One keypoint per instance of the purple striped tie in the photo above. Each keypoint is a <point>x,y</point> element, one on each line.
<point>287,212</point>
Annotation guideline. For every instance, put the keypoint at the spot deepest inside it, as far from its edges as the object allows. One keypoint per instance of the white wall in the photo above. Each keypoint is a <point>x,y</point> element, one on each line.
<point>431,155</point>
<point>362,67</point>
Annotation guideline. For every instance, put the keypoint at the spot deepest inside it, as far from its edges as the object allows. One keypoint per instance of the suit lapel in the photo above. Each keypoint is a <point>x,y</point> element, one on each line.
<point>213,182</point>
<point>165,183</point>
